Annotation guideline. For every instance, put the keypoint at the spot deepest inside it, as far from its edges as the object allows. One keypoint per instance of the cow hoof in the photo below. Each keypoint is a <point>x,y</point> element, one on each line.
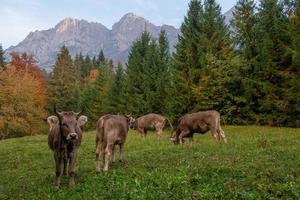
<point>105,170</point>
<point>123,161</point>
<point>56,183</point>
<point>71,183</point>
<point>98,170</point>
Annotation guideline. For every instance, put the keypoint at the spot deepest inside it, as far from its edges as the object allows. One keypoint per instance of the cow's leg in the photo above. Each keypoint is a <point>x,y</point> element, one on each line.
<point>113,154</point>
<point>107,153</point>
<point>122,152</point>
<point>143,132</point>
<point>222,134</point>
<point>215,133</point>
<point>158,133</point>
<point>71,169</point>
<point>65,165</point>
<point>58,159</point>
<point>98,147</point>
<point>103,152</point>
<point>182,135</point>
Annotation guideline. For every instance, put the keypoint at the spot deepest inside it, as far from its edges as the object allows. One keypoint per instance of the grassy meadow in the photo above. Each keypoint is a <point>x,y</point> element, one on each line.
<point>257,163</point>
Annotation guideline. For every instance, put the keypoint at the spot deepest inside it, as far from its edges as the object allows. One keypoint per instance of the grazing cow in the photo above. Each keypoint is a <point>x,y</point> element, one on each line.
<point>111,130</point>
<point>64,139</point>
<point>199,122</point>
<point>150,122</point>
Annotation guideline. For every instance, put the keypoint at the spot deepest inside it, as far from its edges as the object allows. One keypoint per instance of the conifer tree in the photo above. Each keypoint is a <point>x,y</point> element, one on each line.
<point>78,66</point>
<point>135,76</point>
<point>2,61</point>
<point>61,84</point>
<point>101,60</point>
<point>86,66</point>
<point>272,61</point>
<point>214,77</point>
<point>101,87</point>
<point>163,81</point>
<point>291,92</point>
<point>115,98</point>
<point>186,62</point>
<point>94,62</point>
<point>244,23</point>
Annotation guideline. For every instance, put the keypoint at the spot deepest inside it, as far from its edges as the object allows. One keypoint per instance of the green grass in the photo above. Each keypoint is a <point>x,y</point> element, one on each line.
<point>257,163</point>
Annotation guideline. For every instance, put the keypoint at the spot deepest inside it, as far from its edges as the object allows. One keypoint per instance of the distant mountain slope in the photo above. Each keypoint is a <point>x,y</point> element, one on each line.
<point>89,38</point>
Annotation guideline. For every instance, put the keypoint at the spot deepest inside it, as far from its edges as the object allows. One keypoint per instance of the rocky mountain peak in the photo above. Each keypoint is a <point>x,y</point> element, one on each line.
<point>88,38</point>
<point>65,24</point>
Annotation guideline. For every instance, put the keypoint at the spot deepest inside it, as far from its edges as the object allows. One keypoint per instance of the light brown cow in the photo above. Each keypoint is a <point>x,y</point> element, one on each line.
<point>64,139</point>
<point>150,122</point>
<point>111,130</point>
<point>199,122</point>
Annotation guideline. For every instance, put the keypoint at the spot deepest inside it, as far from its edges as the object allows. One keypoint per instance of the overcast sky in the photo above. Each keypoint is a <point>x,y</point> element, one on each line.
<point>19,17</point>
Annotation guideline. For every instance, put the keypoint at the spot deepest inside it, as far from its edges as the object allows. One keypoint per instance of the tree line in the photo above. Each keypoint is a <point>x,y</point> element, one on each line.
<point>249,72</point>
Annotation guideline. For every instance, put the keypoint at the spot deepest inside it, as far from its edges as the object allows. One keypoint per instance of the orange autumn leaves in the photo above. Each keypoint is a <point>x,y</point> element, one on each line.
<point>22,97</point>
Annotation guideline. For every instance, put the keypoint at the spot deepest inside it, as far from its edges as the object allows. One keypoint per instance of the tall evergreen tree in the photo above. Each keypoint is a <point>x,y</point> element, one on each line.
<point>134,90</point>
<point>163,81</point>
<point>86,66</point>
<point>101,87</point>
<point>115,98</point>
<point>101,59</point>
<point>244,23</point>
<point>210,90</point>
<point>94,62</point>
<point>272,61</point>
<point>186,62</point>
<point>78,66</point>
<point>214,33</point>
<point>61,84</point>
<point>292,94</point>
<point>2,61</point>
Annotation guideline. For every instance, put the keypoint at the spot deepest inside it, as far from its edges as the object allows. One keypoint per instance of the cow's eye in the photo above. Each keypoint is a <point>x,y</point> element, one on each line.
<point>65,125</point>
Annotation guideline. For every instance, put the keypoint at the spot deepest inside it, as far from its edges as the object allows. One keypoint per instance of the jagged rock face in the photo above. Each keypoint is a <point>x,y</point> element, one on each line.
<point>89,38</point>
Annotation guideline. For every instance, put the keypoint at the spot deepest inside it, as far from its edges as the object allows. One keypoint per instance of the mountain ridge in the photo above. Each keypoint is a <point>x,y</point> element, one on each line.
<point>89,38</point>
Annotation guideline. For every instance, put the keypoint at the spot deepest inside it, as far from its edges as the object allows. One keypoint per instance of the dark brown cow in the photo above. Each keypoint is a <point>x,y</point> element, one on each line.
<point>150,122</point>
<point>111,130</point>
<point>199,122</point>
<point>64,139</point>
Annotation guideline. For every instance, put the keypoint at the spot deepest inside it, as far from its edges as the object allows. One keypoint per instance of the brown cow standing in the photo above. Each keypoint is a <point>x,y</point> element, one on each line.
<point>64,139</point>
<point>111,130</point>
<point>199,122</point>
<point>150,122</point>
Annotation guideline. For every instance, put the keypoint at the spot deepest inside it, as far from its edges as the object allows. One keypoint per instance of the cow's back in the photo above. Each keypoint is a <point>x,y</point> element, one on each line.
<point>147,121</point>
<point>115,128</point>
<point>198,120</point>
<point>210,117</point>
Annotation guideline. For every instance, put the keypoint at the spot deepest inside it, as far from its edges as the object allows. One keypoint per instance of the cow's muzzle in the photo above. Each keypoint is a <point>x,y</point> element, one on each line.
<point>72,136</point>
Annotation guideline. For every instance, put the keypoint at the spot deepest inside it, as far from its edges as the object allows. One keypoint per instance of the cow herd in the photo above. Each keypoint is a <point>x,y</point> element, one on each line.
<point>65,135</point>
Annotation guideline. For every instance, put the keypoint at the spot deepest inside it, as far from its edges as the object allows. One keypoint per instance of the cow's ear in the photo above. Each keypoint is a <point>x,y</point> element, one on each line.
<point>82,120</point>
<point>52,120</point>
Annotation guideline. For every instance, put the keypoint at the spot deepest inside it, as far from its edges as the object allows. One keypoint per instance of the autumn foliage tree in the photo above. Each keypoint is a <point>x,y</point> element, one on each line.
<point>22,97</point>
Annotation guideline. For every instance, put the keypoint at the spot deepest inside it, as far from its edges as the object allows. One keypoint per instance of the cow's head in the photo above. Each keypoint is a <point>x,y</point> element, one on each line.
<point>131,122</point>
<point>69,124</point>
<point>175,137</point>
